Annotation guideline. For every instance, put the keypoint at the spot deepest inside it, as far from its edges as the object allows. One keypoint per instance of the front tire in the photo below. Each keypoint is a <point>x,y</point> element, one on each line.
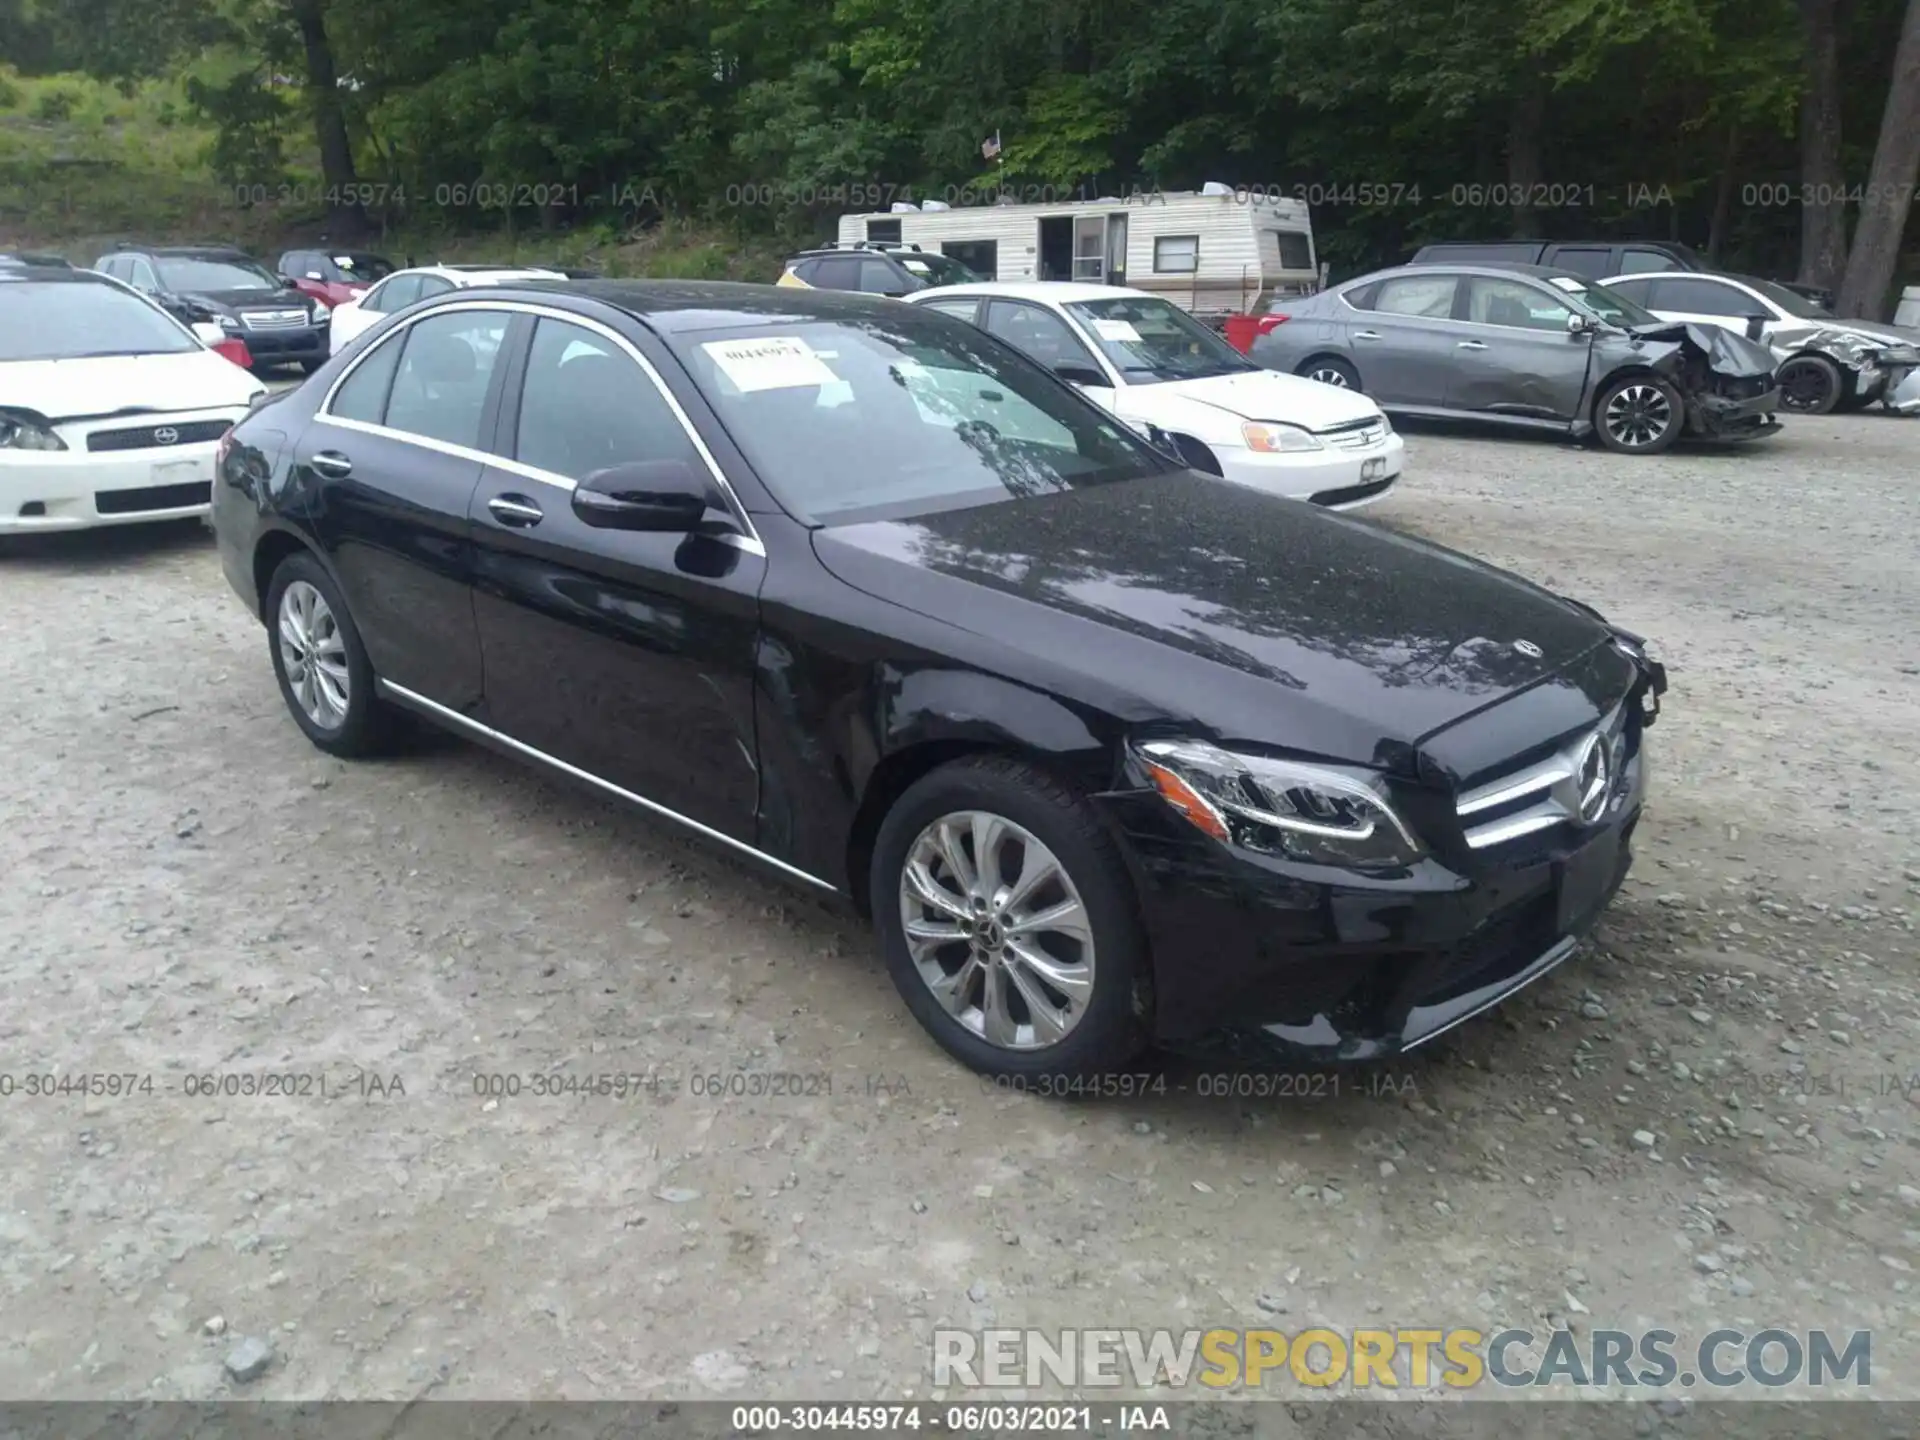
<point>323,670</point>
<point>1639,415</point>
<point>1811,385</point>
<point>1008,922</point>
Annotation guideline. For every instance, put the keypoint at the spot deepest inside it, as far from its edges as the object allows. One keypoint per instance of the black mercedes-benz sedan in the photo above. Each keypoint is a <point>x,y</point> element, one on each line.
<point>1110,751</point>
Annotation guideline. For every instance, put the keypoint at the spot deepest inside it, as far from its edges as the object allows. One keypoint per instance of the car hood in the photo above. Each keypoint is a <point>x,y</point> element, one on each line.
<point>1264,395</point>
<point>1186,601</point>
<point>59,390</point>
<point>1725,353</point>
<point>252,299</point>
<point>1854,345</point>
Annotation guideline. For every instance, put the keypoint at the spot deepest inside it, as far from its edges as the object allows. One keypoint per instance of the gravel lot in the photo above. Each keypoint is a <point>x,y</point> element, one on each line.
<point>191,890</point>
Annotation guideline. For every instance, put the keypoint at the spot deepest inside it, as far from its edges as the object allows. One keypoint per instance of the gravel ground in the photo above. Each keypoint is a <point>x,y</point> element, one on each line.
<point>191,890</point>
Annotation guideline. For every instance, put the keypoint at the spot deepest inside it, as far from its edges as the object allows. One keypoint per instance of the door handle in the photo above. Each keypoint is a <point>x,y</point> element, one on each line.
<point>331,463</point>
<point>1471,345</point>
<point>1366,334</point>
<point>516,510</point>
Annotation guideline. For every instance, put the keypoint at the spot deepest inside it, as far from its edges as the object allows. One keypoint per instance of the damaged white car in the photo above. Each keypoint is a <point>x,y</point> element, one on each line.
<point>1826,363</point>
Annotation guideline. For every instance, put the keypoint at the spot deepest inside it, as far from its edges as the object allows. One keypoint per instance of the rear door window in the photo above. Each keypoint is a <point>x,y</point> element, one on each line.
<point>1428,296</point>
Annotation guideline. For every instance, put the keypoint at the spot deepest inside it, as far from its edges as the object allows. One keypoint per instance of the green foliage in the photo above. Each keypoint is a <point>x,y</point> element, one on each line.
<point>762,119</point>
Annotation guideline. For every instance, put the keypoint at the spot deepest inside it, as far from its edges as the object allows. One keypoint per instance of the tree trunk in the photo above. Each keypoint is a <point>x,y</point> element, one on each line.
<point>329,117</point>
<point>1524,133</point>
<point>1723,196</point>
<point>1823,216</point>
<point>1896,166</point>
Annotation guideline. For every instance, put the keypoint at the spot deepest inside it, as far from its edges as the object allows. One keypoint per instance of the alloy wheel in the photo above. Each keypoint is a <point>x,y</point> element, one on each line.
<point>997,929</point>
<point>1328,375</point>
<point>1638,416</point>
<point>314,655</point>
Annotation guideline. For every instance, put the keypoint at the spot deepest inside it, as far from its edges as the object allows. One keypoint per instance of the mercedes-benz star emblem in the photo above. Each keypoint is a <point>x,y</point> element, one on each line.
<point>165,435</point>
<point>1595,778</point>
<point>1528,649</point>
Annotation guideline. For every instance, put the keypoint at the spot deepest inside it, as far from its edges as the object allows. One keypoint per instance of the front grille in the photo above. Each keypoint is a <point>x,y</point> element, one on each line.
<point>1551,792</point>
<point>153,497</point>
<point>146,437</point>
<point>1354,434</point>
<point>273,319</point>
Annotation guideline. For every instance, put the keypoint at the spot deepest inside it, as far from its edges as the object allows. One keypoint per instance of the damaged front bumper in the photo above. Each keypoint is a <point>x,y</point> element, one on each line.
<point>1725,417</point>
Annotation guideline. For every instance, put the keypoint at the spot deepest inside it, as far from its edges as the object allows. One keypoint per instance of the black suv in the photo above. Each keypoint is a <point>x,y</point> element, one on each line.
<point>874,269</point>
<point>228,287</point>
<point>1595,259</point>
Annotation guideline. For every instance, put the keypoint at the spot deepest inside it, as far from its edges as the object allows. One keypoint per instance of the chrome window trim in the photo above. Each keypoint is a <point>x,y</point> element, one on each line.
<point>749,540</point>
<point>454,717</point>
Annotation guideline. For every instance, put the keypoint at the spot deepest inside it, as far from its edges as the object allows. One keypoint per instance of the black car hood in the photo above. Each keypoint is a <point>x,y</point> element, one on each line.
<point>1726,353</point>
<point>1187,599</point>
<point>251,299</point>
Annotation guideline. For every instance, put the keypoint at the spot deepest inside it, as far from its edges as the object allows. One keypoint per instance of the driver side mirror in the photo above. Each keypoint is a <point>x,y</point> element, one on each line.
<point>1578,324</point>
<point>651,496</point>
<point>1756,327</point>
<point>1077,374</point>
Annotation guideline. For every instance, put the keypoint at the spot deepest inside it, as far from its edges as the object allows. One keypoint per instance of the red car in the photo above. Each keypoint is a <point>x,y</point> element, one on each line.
<point>333,276</point>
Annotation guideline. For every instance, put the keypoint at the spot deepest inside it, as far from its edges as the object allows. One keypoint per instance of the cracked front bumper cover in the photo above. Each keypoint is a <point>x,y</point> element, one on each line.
<point>1721,418</point>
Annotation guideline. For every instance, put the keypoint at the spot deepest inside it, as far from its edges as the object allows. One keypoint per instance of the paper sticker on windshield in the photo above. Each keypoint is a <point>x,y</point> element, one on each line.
<point>772,362</point>
<point>1120,331</point>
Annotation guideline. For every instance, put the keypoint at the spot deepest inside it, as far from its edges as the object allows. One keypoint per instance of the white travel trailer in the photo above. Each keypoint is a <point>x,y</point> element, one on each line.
<point>1215,252</point>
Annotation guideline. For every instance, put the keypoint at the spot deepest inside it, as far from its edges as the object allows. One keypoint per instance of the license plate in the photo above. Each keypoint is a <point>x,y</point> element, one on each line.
<point>181,472</point>
<point>1373,469</point>
<point>1585,878</point>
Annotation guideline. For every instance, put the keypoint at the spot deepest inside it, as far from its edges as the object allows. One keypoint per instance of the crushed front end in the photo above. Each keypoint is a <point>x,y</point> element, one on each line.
<point>1727,381</point>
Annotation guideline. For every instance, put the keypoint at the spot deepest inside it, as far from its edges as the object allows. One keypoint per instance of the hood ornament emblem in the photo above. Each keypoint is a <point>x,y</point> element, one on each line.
<point>1528,649</point>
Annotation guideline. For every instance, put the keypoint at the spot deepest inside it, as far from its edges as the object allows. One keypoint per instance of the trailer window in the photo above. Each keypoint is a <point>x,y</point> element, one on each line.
<point>885,232</point>
<point>1176,254</point>
<point>1296,250</point>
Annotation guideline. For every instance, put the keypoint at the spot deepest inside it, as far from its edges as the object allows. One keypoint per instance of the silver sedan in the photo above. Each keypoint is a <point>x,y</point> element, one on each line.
<point>1526,346</point>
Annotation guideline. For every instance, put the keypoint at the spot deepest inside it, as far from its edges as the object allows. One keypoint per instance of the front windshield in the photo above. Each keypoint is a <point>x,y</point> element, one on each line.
<point>1791,301</point>
<point>1151,340</point>
<point>185,275</point>
<point>902,414</point>
<point>1610,305</point>
<point>938,270</point>
<point>363,268</point>
<point>73,320</point>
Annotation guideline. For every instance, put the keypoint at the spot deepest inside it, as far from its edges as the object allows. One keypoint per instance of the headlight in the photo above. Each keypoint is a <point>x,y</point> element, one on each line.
<point>1386,425</point>
<point>20,435</point>
<point>228,323</point>
<point>1273,438</point>
<point>1323,814</point>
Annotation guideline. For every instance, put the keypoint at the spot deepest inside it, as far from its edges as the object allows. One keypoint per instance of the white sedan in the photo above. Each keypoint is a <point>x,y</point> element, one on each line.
<point>1178,382</point>
<point>352,318</point>
<point>111,411</point>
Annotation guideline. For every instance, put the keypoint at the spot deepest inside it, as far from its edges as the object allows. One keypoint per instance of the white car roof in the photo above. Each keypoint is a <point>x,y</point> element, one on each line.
<point>462,277</point>
<point>1050,292</point>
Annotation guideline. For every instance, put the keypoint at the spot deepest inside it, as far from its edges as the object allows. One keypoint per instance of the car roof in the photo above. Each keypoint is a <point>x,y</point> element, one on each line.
<point>17,268</point>
<point>684,306</point>
<point>1492,269</point>
<point>187,252</point>
<point>467,275</point>
<point>1054,291</point>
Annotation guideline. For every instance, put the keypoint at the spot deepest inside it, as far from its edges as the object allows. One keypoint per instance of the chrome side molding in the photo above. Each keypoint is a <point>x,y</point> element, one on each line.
<point>454,718</point>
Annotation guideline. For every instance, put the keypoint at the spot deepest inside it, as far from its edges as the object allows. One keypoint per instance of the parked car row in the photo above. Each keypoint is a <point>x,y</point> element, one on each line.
<point>1109,751</point>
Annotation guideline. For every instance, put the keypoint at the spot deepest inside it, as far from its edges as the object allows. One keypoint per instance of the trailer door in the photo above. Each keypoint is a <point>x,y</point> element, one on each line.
<point>1116,249</point>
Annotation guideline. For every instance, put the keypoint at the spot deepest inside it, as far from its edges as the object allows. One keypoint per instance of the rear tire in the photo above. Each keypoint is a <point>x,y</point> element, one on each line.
<point>1033,965</point>
<point>324,674</point>
<point>1639,415</point>
<point>1330,370</point>
<point>1811,385</point>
